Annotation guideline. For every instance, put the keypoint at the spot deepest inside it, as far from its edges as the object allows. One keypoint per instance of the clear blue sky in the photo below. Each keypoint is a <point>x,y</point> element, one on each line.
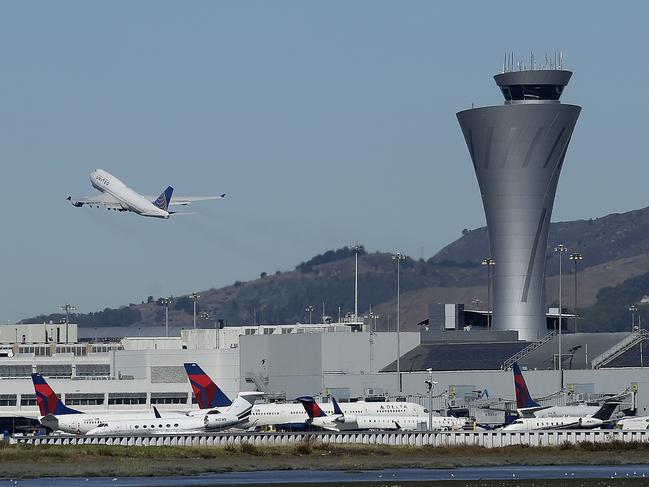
<point>326,123</point>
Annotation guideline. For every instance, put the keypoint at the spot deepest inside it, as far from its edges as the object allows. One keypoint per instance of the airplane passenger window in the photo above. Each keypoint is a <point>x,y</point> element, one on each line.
<point>144,426</point>
<point>168,426</point>
<point>137,426</point>
<point>175,425</point>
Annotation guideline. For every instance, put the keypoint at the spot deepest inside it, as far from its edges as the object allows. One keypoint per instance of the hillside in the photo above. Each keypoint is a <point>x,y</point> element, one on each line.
<point>615,250</point>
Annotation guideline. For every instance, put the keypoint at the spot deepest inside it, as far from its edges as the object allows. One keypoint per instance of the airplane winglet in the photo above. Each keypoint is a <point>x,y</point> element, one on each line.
<point>156,412</point>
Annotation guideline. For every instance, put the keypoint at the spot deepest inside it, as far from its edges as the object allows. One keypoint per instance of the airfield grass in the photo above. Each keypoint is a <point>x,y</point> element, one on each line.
<point>18,461</point>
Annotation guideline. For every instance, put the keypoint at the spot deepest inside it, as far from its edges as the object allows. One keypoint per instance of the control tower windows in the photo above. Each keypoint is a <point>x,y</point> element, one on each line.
<point>532,92</point>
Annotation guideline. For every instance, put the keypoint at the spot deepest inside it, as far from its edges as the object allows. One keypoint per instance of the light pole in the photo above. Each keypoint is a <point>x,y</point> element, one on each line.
<point>194,297</point>
<point>430,384</point>
<point>489,262</point>
<point>372,317</point>
<point>576,257</point>
<point>561,248</point>
<point>166,302</point>
<point>399,257</point>
<point>356,249</point>
<point>309,309</point>
<point>67,308</point>
<point>477,302</point>
<point>633,309</point>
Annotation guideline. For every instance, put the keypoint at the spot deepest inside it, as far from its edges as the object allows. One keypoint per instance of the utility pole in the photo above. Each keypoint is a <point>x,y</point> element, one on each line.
<point>576,257</point>
<point>67,308</point>
<point>194,297</point>
<point>356,248</point>
<point>430,384</point>
<point>489,262</point>
<point>166,302</point>
<point>561,248</point>
<point>399,257</point>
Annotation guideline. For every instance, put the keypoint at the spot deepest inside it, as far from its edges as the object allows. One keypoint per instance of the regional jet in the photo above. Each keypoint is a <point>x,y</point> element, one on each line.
<point>339,421</point>
<point>55,415</point>
<point>115,195</point>
<point>214,420</point>
<point>529,408</point>
<point>600,419</point>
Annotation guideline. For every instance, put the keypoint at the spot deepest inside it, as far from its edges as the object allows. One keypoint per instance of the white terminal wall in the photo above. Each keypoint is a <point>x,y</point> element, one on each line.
<point>310,363</point>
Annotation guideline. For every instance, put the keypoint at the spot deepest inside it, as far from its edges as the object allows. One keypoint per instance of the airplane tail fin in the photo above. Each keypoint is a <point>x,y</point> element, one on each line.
<point>606,411</point>
<point>311,407</point>
<point>48,401</point>
<point>337,409</point>
<point>164,199</point>
<point>207,393</point>
<point>523,398</point>
<point>243,403</point>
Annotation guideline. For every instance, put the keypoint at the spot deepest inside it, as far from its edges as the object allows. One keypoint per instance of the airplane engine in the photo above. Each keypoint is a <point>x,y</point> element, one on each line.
<point>78,204</point>
<point>220,421</point>
<point>348,418</point>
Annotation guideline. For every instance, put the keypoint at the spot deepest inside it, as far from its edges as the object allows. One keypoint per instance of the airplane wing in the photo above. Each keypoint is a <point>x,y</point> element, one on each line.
<point>187,200</point>
<point>103,199</point>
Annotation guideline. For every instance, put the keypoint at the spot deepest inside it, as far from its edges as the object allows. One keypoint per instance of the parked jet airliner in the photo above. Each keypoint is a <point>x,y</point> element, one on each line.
<point>59,417</point>
<point>529,408</point>
<point>339,421</point>
<point>289,416</point>
<point>115,195</point>
<point>214,420</point>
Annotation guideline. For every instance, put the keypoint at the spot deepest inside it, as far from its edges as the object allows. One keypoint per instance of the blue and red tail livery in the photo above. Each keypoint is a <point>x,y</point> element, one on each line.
<point>207,393</point>
<point>523,398</point>
<point>48,401</point>
<point>311,407</point>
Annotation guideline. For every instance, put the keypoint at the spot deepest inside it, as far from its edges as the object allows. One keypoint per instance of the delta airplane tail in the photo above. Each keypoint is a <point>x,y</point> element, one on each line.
<point>48,402</point>
<point>523,398</point>
<point>311,407</point>
<point>207,393</point>
<point>164,199</point>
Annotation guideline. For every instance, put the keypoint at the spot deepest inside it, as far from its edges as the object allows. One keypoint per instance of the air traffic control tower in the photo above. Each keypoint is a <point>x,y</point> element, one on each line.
<point>517,151</point>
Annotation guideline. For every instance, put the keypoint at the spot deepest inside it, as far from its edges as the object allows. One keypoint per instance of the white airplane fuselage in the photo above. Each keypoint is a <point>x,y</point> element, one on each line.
<point>83,422</point>
<point>129,199</point>
<point>294,413</point>
<point>165,426</point>
<point>559,422</point>
<point>558,411</point>
<point>386,422</point>
<point>633,423</point>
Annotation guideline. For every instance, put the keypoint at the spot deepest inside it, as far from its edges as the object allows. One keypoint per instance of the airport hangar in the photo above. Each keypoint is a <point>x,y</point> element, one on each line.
<point>517,150</point>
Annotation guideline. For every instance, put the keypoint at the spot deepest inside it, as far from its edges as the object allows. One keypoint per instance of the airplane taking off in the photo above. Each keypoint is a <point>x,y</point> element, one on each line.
<point>529,408</point>
<point>115,195</point>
